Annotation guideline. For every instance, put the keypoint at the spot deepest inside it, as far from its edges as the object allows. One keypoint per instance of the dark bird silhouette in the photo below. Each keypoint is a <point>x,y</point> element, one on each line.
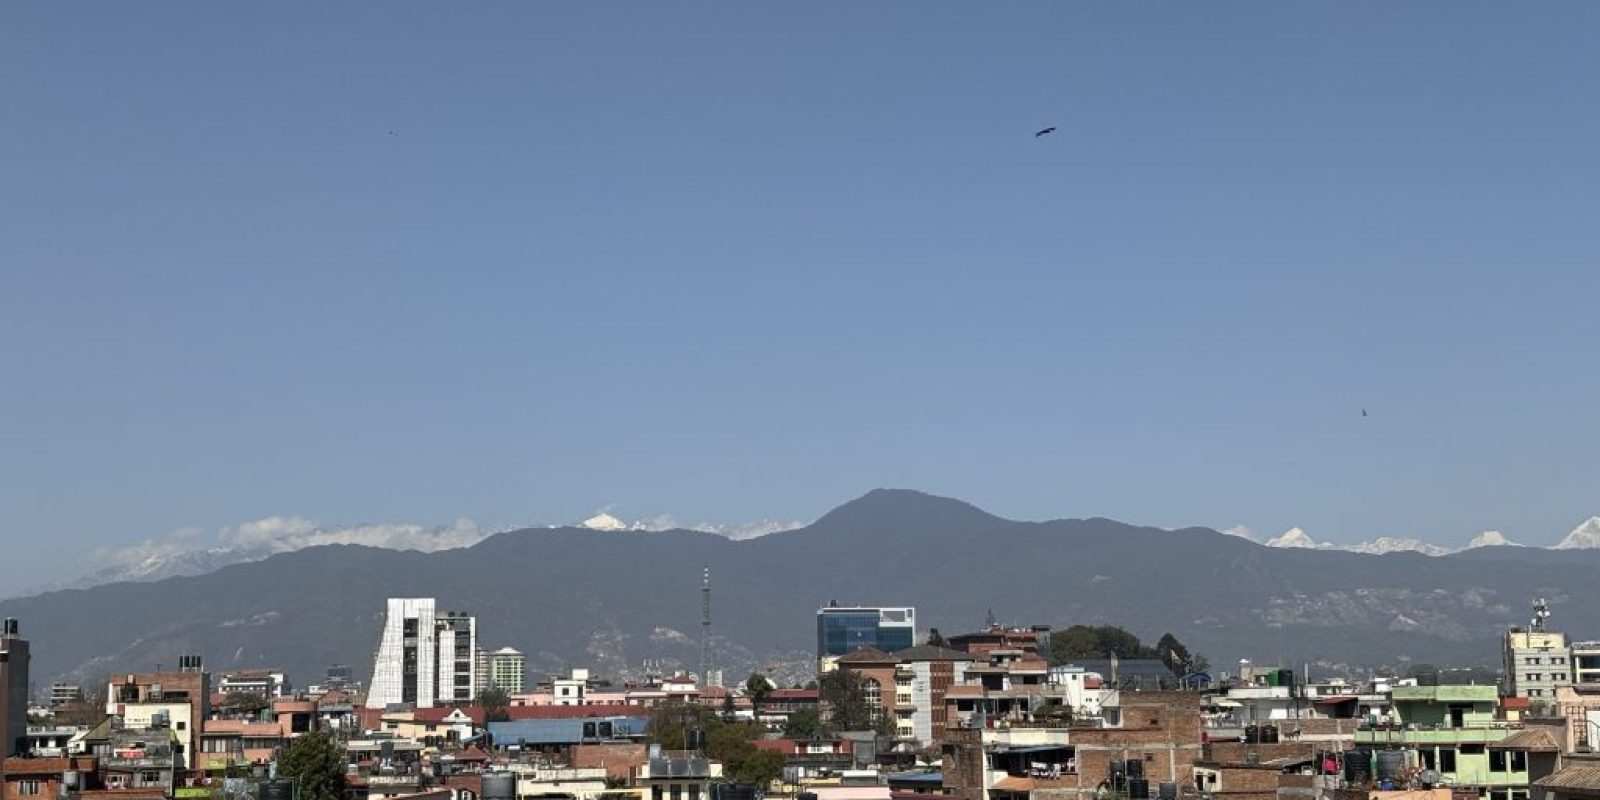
<point>1363,412</point>
<point>392,133</point>
<point>1051,129</point>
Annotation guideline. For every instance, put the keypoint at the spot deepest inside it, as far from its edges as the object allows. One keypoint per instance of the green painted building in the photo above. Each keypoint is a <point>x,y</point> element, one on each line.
<point>1449,730</point>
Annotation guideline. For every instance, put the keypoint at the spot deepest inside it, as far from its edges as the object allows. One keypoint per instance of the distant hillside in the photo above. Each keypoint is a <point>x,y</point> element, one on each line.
<point>609,600</point>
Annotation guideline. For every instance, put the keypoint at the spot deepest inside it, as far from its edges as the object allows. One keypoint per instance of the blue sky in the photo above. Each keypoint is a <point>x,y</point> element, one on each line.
<point>516,262</point>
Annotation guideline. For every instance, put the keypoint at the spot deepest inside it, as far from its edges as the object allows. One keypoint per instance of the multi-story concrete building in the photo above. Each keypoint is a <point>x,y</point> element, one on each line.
<point>909,687</point>
<point>1536,660</point>
<point>1034,639</point>
<point>506,670</point>
<point>425,657</point>
<point>1585,662</point>
<point>1451,731</point>
<point>266,684</point>
<point>14,658</point>
<point>1020,756</point>
<point>164,701</point>
<point>842,630</point>
<point>64,693</point>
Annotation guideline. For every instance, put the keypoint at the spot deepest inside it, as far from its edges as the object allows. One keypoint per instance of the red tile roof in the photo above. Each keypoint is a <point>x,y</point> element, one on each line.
<point>437,715</point>
<point>793,695</point>
<point>576,712</point>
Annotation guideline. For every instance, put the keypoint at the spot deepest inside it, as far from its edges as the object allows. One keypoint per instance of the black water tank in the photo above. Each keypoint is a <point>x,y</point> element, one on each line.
<point>1358,765</point>
<point>499,786</point>
<point>276,790</point>
<point>1135,768</point>
<point>1252,734</point>
<point>1167,790</point>
<point>1269,734</point>
<point>734,791</point>
<point>1391,764</point>
<point>1138,789</point>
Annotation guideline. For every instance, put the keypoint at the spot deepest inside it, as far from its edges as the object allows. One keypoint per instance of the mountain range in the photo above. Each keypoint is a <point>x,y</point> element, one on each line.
<point>1584,537</point>
<point>609,600</point>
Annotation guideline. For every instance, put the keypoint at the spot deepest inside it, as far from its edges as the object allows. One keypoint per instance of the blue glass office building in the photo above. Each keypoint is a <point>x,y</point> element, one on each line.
<point>841,630</point>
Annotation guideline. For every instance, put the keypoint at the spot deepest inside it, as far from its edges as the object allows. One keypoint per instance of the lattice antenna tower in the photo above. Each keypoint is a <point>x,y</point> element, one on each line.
<point>705,625</point>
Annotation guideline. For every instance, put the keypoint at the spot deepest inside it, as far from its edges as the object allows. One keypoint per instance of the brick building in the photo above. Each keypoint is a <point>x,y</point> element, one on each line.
<point>1031,759</point>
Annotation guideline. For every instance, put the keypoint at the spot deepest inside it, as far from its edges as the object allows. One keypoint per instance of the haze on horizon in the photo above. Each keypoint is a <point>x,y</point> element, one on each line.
<point>407,264</point>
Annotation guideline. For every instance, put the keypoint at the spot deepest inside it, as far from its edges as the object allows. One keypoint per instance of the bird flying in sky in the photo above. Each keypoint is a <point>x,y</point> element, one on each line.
<point>1051,129</point>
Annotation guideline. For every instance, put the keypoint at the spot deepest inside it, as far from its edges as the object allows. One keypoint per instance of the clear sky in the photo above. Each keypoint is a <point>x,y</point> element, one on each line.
<point>407,262</point>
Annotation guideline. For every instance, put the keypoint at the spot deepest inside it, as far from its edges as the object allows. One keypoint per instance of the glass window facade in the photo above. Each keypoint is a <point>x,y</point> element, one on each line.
<point>841,631</point>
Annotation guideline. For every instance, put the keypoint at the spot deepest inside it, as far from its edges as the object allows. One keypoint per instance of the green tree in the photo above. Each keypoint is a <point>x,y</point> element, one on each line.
<point>803,724</point>
<point>494,701</point>
<point>758,689</point>
<point>1174,654</point>
<point>246,704</point>
<point>317,763</point>
<point>671,723</point>
<point>1096,641</point>
<point>844,692</point>
<point>754,766</point>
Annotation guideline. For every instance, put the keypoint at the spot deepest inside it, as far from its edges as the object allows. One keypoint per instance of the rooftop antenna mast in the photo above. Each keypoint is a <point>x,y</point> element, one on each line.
<point>705,626</point>
<point>1541,612</point>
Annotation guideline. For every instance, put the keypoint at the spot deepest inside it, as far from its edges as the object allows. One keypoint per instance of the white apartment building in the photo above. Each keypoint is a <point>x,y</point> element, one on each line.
<point>425,658</point>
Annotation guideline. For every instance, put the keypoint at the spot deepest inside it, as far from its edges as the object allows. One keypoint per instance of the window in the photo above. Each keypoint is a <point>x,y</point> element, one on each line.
<point>1533,676</point>
<point>1447,759</point>
<point>30,787</point>
<point>1558,676</point>
<point>676,792</point>
<point>1531,660</point>
<point>1519,761</point>
<point>872,695</point>
<point>1497,761</point>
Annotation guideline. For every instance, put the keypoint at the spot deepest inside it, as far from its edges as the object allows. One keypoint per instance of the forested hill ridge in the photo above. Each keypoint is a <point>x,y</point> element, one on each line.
<point>610,600</point>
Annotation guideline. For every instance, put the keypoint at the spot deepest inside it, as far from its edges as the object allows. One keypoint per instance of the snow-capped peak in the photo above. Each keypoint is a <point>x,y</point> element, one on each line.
<point>1490,539</point>
<point>604,522</point>
<point>1583,537</point>
<point>1389,544</point>
<point>1294,537</point>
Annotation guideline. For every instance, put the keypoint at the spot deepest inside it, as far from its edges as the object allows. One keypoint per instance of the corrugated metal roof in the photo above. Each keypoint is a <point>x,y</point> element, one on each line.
<point>1532,739</point>
<point>1584,776</point>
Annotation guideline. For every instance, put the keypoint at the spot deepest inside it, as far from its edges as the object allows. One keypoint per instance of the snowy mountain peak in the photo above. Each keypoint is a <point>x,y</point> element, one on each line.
<point>604,522</point>
<point>1389,544</point>
<point>1490,539</point>
<point>1294,537</point>
<point>1583,537</point>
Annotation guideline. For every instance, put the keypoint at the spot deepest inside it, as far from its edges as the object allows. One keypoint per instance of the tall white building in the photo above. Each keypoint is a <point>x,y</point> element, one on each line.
<point>425,658</point>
